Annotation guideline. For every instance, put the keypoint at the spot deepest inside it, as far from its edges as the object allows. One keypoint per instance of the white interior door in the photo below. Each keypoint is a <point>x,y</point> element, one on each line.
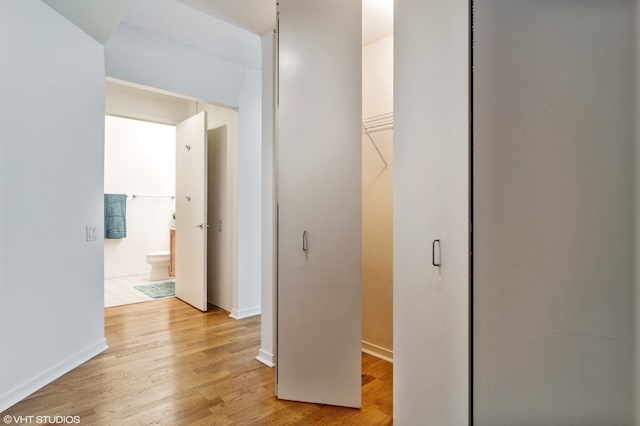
<point>319,202</point>
<point>431,202</point>
<point>191,211</point>
<point>554,210</point>
<point>218,235</point>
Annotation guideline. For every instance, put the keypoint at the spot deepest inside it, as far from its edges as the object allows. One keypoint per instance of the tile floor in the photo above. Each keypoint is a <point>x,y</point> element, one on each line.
<point>120,291</point>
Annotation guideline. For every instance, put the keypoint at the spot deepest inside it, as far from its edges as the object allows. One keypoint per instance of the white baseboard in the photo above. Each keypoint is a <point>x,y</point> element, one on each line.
<point>30,386</point>
<point>266,358</point>
<point>245,313</point>
<point>377,351</point>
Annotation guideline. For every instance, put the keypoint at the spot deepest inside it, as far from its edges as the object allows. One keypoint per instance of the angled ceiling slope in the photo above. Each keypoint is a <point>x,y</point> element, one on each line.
<point>257,16</point>
<point>98,18</point>
<point>176,21</point>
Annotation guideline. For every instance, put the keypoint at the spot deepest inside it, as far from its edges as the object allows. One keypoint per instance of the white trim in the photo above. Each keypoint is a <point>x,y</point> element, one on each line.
<point>30,386</point>
<point>245,313</point>
<point>266,358</point>
<point>377,351</point>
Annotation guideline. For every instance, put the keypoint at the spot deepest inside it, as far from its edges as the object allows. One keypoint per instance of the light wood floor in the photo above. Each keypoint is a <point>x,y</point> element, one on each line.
<point>170,364</point>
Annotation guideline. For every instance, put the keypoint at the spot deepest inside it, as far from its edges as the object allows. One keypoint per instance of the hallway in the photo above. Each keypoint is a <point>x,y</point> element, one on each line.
<point>171,364</point>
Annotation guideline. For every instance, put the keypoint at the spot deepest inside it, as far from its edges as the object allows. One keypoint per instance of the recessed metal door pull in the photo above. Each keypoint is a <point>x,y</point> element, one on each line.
<point>436,260</point>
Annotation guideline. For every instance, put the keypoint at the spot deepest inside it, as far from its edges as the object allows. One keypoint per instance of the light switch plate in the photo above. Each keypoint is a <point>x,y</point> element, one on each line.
<point>91,232</point>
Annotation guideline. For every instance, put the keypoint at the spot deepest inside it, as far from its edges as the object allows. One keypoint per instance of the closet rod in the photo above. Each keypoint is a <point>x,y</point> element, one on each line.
<point>366,132</point>
<point>153,196</point>
<point>376,123</point>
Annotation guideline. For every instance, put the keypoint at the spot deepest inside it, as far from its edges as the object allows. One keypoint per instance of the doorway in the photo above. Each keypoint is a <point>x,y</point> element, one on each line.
<point>139,170</point>
<point>377,182</point>
<point>149,109</point>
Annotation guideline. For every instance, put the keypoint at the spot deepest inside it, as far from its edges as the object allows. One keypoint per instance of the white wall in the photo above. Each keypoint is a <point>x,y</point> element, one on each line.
<point>139,57</point>
<point>128,101</point>
<point>249,195</point>
<point>377,203</point>
<point>51,172</point>
<point>140,158</point>
<point>553,213</point>
<point>267,345</point>
<point>377,77</point>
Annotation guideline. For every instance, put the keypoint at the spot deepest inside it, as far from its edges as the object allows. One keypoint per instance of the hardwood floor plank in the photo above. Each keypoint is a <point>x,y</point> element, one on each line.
<point>170,364</point>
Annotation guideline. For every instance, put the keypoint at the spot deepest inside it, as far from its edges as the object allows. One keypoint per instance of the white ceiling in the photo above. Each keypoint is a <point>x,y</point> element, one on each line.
<point>178,22</point>
<point>259,16</point>
<point>98,18</point>
<point>221,27</point>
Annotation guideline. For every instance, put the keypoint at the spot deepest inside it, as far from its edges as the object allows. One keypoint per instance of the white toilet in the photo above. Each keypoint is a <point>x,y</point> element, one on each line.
<point>159,261</point>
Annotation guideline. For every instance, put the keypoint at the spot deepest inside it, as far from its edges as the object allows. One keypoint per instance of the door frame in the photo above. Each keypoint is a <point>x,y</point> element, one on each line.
<point>137,107</point>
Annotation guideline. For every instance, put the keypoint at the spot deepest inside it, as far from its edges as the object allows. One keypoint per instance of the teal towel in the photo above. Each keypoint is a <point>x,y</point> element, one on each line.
<point>115,215</point>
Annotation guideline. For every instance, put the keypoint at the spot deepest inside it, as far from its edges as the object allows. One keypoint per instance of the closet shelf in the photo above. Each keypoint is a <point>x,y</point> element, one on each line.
<point>378,122</point>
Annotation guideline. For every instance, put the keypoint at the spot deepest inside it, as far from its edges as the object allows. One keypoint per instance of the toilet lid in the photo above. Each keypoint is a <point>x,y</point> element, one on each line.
<point>159,254</point>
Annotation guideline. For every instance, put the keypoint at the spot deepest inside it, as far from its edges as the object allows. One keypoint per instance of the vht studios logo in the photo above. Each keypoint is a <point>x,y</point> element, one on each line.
<point>41,419</point>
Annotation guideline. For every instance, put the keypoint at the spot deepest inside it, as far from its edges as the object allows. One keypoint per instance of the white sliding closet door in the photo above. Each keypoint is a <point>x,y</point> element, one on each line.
<point>319,201</point>
<point>431,202</point>
<point>554,147</point>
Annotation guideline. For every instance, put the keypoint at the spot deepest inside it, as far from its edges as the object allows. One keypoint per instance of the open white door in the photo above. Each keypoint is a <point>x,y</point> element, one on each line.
<point>319,202</point>
<point>191,211</point>
<point>220,291</point>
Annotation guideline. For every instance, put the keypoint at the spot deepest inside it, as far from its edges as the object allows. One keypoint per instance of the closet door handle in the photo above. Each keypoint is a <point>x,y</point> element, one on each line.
<point>433,253</point>
<point>305,242</point>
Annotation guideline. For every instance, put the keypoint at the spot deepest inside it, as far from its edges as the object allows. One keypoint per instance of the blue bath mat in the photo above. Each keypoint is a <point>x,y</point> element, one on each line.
<point>158,290</point>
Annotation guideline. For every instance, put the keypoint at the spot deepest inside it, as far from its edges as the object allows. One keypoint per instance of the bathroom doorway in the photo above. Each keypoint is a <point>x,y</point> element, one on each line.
<point>140,164</point>
<point>140,173</point>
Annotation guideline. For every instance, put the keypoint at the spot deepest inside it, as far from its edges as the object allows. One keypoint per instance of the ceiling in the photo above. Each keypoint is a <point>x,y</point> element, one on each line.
<point>100,18</point>
<point>181,23</point>
<point>259,16</point>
